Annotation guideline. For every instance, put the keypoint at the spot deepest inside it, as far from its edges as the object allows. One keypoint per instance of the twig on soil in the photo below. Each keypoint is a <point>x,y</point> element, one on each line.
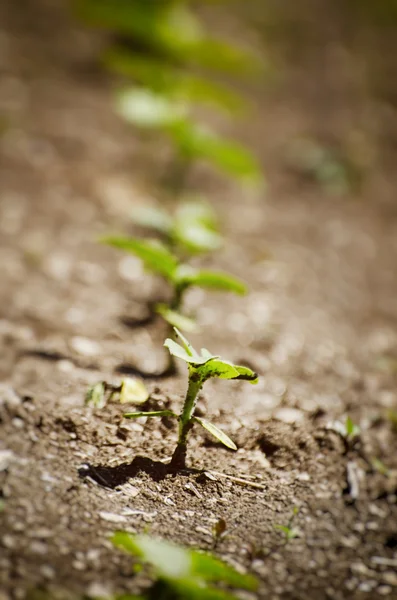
<point>238,480</point>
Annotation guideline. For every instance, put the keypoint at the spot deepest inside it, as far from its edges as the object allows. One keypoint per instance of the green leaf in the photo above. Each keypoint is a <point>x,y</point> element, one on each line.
<point>154,255</point>
<point>210,568</point>
<point>216,280</point>
<point>175,318</point>
<point>197,142</point>
<point>217,433</point>
<point>187,345</point>
<point>216,367</point>
<point>352,430</point>
<point>95,396</point>
<point>169,560</point>
<point>176,350</point>
<point>153,413</point>
<point>247,374</point>
<point>152,218</point>
<point>133,391</point>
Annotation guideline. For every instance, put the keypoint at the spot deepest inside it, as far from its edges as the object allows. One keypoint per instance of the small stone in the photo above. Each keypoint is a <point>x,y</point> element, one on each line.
<point>111,517</point>
<point>97,589</point>
<point>47,571</point>
<point>367,586</point>
<point>18,423</point>
<point>79,565</point>
<point>84,346</point>
<point>384,590</point>
<point>9,397</point>
<point>8,542</point>
<point>390,577</point>
<point>288,415</point>
<point>39,548</point>
<point>6,458</point>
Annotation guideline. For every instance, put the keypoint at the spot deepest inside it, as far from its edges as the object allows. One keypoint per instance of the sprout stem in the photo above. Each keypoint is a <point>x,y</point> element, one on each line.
<point>178,460</point>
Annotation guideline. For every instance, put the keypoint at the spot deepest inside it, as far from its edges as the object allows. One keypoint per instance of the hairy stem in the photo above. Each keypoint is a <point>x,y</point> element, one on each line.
<point>185,419</point>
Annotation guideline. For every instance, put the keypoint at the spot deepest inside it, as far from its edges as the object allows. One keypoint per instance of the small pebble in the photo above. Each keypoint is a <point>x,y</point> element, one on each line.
<point>84,346</point>
<point>390,577</point>
<point>384,590</point>
<point>47,571</point>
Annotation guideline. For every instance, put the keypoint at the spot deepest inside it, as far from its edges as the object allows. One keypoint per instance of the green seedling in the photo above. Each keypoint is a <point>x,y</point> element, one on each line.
<point>191,229</point>
<point>182,574</point>
<point>130,391</point>
<point>161,261</point>
<point>154,112</point>
<point>380,467</point>
<point>288,530</point>
<point>201,367</point>
<point>348,430</point>
<point>392,417</point>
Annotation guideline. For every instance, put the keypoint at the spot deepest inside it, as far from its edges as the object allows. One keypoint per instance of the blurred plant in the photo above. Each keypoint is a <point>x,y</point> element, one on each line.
<point>181,574</point>
<point>160,45</point>
<point>191,229</point>
<point>130,391</point>
<point>289,531</point>
<point>201,367</point>
<point>160,261</point>
<point>332,171</point>
<point>348,429</point>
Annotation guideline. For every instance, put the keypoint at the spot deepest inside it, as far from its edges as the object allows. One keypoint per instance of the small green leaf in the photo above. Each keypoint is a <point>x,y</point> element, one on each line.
<point>175,318</point>
<point>133,391</point>
<point>216,280</point>
<point>215,367</point>
<point>154,255</point>
<point>153,413</point>
<point>195,227</point>
<point>352,430</point>
<point>95,396</point>
<point>247,374</point>
<point>187,345</point>
<point>217,433</point>
<point>180,352</point>
<point>379,466</point>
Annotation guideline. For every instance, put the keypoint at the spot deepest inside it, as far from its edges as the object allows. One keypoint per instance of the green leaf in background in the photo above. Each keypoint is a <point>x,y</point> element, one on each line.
<point>152,217</point>
<point>154,255</point>
<point>95,396</point>
<point>216,432</point>
<point>144,108</point>
<point>173,81</point>
<point>133,391</point>
<point>195,227</point>
<point>216,280</point>
<point>352,430</point>
<point>153,413</point>
<point>176,319</point>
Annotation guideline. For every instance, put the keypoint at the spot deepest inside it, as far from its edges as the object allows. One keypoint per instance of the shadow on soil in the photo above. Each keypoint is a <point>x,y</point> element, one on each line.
<point>111,477</point>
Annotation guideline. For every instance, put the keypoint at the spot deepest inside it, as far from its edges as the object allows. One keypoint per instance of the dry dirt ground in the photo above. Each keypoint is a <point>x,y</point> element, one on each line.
<point>319,325</point>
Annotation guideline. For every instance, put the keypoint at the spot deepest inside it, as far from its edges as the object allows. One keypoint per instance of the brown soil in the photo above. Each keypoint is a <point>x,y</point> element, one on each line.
<point>319,326</point>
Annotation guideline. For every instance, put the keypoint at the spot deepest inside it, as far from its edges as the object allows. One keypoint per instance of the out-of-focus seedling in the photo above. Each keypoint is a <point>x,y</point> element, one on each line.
<point>182,574</point>
<point>159,260</point>
<point>289,531</point>
<point>191,229</point>
<point>348,430</point>
<point>392,417</point>
<point>201,367</point>
<point>380,467</point>
<point>130,391</point>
